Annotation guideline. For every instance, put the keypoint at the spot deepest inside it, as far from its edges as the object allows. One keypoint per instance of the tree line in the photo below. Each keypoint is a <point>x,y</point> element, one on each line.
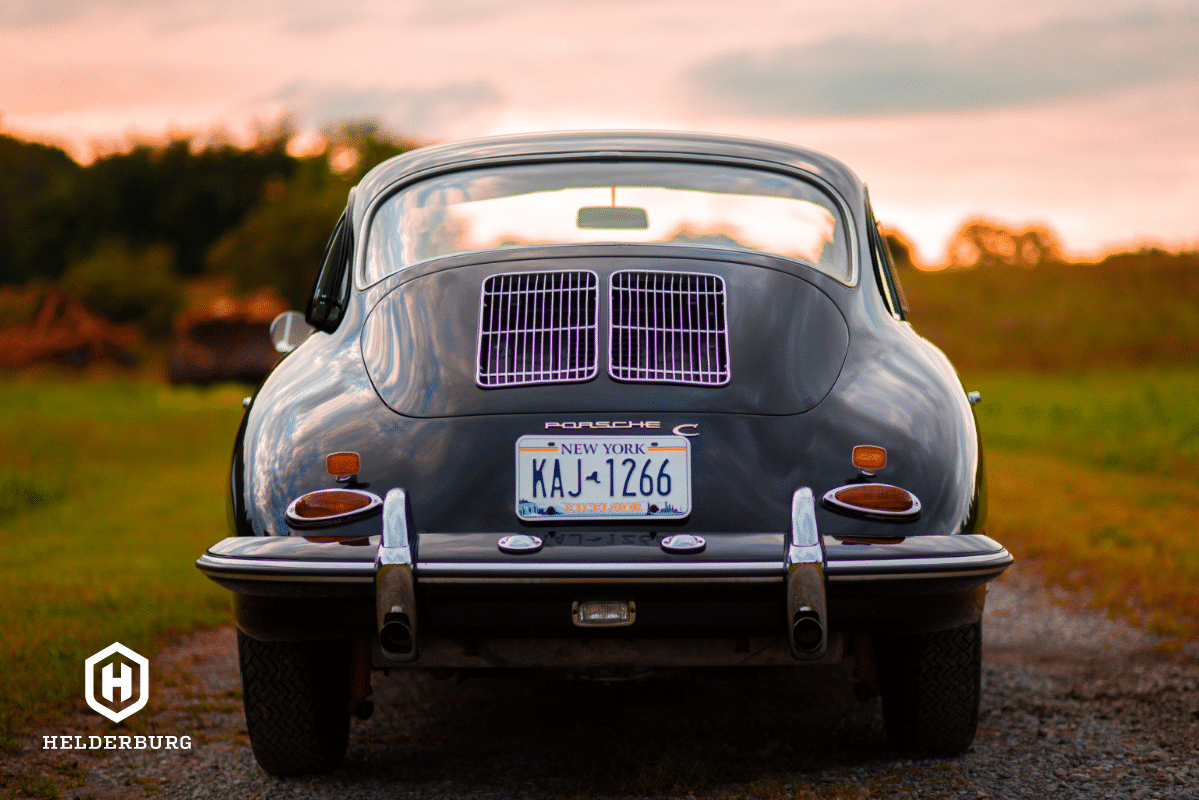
<point>124,231</point>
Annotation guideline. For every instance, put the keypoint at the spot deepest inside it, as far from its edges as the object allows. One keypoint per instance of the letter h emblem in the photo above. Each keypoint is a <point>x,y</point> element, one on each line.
<point>116,686</point>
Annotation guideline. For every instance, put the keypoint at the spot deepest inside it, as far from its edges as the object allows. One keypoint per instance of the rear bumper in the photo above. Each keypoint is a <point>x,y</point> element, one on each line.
<point>743,599</point>
<point>296,566</point>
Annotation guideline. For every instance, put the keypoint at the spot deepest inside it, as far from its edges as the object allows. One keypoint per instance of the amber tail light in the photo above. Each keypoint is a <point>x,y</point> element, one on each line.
<point>875,501</point>
<point>331,507</point>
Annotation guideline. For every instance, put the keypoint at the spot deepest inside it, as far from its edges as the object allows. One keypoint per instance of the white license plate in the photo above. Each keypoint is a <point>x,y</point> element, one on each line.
<point>603,477</point>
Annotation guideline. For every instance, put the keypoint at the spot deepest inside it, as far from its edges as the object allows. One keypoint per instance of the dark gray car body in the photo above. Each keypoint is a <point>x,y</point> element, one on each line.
<point>820,367</point>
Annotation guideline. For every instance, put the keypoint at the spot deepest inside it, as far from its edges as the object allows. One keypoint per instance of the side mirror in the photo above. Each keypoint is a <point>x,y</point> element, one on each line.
<point>289,330</point>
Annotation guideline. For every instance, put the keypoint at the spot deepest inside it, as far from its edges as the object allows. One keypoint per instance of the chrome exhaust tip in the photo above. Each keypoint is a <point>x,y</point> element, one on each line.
<point>807,631</point>
<point>395,637</point>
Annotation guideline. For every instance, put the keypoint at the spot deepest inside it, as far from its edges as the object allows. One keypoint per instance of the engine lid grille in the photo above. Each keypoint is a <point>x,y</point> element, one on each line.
<point>538,327</point>
<point>668,327</point>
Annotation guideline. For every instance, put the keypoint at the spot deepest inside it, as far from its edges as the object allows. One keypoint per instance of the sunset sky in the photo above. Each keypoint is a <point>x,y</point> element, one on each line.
<point>1081,115</point>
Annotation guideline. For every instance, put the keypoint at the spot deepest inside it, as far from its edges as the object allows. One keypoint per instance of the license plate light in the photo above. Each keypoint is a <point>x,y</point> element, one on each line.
<point>603,613</point>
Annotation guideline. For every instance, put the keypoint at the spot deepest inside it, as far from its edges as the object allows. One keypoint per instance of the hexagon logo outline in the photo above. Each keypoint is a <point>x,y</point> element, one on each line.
<point>89,680</point>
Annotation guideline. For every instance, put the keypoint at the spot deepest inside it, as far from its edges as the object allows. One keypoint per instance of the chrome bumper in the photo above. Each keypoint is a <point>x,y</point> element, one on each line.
<point>257,565</point>
<point>820,578</point>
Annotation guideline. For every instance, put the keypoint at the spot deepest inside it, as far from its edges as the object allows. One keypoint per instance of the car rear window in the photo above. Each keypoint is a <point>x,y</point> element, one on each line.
<point>653,202</point>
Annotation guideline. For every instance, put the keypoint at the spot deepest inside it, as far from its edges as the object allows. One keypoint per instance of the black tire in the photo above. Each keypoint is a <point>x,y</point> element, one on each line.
<point>931,683</point>
<point>296,696</point>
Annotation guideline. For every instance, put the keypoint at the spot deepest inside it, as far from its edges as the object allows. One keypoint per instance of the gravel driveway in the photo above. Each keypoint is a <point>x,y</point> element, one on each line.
<point>1074,705</point>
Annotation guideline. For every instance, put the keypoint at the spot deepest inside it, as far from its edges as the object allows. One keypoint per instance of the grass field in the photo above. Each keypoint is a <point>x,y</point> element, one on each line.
<point>1124,538</point>
<point>1096,477</point>
<point>1129,311</point>
<point>1140,421</point>
<point>108,493</point>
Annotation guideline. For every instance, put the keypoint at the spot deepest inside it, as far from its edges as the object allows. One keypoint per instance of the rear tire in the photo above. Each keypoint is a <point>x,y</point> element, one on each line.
<point>296,696</point>
<point>931,684</point>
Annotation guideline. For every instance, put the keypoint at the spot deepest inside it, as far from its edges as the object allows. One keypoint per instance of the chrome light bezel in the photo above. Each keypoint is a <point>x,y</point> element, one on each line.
<point>294,520</point>
<point>830,500</point>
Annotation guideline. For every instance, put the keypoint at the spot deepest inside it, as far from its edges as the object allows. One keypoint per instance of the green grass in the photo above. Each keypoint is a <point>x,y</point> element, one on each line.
<point>109,491</point>
<point>1131,311</point>
<point>1126,539</point>
<point>1095,477</point>
<point>1141,421</point>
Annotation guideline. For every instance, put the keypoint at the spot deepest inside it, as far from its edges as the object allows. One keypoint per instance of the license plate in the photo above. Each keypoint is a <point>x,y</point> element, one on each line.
<point>603,477</point>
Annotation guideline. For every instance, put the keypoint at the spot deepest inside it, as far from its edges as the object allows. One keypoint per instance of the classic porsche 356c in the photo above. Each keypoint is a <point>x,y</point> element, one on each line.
<point>606,406</point>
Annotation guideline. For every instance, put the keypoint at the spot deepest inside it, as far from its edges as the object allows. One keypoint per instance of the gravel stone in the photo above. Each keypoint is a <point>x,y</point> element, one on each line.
<point>1074,705</point>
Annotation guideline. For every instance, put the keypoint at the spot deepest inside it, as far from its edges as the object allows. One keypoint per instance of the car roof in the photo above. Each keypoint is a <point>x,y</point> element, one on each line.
<point>607,144</point>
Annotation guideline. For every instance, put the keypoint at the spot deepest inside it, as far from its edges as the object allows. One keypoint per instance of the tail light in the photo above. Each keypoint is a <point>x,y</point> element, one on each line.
<point>874,501</point>
<point>331,507</point>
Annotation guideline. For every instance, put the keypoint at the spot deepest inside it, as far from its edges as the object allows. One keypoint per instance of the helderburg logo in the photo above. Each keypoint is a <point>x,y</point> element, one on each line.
<point>123,679</point>
<point>116,685</point>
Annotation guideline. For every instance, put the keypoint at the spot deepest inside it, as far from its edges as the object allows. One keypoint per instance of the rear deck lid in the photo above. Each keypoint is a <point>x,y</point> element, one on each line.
<point>604,334</point>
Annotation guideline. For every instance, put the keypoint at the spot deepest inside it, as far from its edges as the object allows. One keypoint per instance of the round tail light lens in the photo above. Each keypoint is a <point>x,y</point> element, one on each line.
<point>874,500</point>
<point>331,507</point>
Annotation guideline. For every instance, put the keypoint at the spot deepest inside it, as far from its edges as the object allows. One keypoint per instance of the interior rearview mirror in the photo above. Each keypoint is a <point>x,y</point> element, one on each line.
<point>609,218</point>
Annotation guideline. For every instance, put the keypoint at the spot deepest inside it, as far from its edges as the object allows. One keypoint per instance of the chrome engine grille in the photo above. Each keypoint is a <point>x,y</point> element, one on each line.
<point>537,327</point>
<point>668,327</point>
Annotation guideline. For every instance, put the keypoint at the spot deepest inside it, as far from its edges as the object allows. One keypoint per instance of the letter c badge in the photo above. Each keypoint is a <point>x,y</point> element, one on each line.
<point>682,430</point>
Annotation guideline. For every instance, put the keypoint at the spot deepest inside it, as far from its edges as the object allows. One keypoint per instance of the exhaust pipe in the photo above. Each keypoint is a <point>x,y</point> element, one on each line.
<point>396,598</point>
<point>395,637</point>
<point>807,609</point>
<point>395,588</point>
<point>807,605</point>
<point>807,631</point>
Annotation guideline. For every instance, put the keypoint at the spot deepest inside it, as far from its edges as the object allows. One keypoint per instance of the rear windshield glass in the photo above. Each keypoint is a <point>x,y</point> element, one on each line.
<point>592,202</point>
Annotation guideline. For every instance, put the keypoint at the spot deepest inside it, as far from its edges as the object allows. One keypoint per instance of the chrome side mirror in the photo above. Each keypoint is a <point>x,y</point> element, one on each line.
<point>289,330</point>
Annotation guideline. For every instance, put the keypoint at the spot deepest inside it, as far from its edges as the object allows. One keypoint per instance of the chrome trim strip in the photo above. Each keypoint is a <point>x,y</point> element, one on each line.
<point>993,572</point>
<point>607,579</point>
<point>222,564</point>
<point>294,580</point>
<point>876,565</point>
<point>275,569</point>
<point>593,568</point>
